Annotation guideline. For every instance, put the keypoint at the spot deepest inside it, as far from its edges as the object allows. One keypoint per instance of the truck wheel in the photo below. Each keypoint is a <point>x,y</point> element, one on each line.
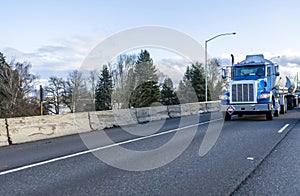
<point>290,106</point>
<point>227,117</point>
<point>282,109</point>
<point>269,115</point>
<point>286,105</point>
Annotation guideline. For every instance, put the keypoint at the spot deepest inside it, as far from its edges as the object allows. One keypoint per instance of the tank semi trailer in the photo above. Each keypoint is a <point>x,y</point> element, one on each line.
<point>255,87</point>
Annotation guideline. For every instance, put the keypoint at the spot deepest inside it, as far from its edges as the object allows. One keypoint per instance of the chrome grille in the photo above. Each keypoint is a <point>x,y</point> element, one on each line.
<point>242,93</point>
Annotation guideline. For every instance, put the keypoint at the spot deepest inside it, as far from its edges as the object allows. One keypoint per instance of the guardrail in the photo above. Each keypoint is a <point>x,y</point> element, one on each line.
<point>27,129</point>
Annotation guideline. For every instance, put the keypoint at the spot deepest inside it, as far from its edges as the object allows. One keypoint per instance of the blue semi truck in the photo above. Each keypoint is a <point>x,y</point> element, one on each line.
<point>255,86</point>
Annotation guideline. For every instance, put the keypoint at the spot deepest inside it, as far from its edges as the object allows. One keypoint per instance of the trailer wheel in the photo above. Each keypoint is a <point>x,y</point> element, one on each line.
<point>269,115</point>
<point>284,107</point>
<point>290,104</point>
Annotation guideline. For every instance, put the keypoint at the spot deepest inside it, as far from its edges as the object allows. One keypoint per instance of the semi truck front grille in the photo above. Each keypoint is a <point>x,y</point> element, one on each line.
<point>242,93</point>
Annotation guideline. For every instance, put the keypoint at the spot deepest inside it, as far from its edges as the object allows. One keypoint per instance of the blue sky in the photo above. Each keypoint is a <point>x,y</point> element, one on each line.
<point>56,35</point>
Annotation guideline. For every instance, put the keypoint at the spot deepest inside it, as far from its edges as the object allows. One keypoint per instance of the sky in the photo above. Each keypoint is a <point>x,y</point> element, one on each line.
<point>56,36</point>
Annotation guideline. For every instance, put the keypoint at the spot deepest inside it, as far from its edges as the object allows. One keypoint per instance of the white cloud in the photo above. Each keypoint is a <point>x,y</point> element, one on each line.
<point>63,56</point>
<point>173,68</point>
<point>289,61</point>
<point>57,59</point>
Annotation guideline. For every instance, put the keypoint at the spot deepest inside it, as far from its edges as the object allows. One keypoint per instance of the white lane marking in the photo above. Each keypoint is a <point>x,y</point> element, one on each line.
<point>101,148</point>
<point>283,128</point>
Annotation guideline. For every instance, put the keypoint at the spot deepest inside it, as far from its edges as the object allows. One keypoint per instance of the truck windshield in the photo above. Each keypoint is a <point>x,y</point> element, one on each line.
<point>242,71</point>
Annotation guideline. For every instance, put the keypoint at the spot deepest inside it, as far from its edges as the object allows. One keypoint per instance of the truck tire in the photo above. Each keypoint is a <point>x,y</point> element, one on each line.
<point>296,103</point>
<point>269,115</point>
<point>282,110</point>
<point>227,117</point>
<point>276,113</point>
<point>284,107</point>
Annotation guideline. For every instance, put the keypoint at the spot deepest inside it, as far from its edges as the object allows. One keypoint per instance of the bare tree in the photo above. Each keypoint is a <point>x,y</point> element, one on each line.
<point>214,79</point>
<point>123,79</point>
<point>26,79</point>
<point>54,91</point>
<point>92,80</point>
<point>73,89</point>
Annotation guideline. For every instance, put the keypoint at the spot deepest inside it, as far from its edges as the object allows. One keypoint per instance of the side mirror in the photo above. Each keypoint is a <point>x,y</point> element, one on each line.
<point>277,70</point>
<point>224,73</point>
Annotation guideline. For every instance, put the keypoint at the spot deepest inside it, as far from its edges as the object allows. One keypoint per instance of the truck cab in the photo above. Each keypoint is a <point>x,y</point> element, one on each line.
<point>252,88</point>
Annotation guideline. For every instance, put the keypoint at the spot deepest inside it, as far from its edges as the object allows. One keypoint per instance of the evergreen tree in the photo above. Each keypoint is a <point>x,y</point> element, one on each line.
<point>144,68</point>
<point>145,95</point>
<point>168,95</point>
<point>2,58</point>
<point>181,93</point>
<point>5,75</point>
<point>146,85</point>
<point>194,84</point>
<point>104,90</point>
<point>198,81</point>
<point>16,83</point>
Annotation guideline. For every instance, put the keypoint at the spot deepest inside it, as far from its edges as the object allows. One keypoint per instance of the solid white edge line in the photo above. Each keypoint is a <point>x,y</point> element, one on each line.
<point>283,128</point>
<point>101,148</point>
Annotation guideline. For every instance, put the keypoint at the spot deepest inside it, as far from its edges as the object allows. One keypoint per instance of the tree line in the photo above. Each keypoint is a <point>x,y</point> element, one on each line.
<point>16,83</point>
<point>131,81</point>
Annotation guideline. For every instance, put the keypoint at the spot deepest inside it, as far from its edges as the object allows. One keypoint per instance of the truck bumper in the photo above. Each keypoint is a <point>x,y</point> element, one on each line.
<point>246,108</point>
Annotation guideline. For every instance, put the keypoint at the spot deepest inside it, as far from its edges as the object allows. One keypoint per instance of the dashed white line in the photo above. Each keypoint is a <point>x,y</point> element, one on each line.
<point>101,148</point>
<point>283,128</point>
<point>250,158</point>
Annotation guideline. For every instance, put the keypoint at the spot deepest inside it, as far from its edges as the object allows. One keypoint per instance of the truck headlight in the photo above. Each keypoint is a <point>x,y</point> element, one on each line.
<point>264,96</point>
<point>224,97</point>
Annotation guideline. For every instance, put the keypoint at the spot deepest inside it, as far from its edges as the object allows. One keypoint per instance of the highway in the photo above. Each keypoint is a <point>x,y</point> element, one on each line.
<point>250,156</point>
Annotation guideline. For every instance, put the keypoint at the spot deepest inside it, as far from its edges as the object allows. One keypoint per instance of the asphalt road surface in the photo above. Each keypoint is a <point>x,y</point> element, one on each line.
<point>250,156</point>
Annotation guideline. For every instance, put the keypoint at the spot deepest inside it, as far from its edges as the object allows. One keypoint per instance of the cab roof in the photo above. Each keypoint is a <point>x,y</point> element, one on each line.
<point>256,59</point>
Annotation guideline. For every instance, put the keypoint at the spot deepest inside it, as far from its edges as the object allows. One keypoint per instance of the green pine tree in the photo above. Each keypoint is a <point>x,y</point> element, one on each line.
<point>181,92</point>
<point>5,75</point>
<point>193,84</point>
<point>16,83</point>
<point>146,89</point>
<point>145,95</point>
<point>198,81</point>
<point>104,91</point>
<point>144,69</point>
<point>168,95</point>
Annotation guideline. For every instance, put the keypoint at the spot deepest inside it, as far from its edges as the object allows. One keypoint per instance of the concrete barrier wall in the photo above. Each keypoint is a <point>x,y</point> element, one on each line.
<point>28,129</point>
<point>101,119</point>
<point>124,117</point>
<point>3,133</point>
<point>151,113</point>
<point>213,106</point>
